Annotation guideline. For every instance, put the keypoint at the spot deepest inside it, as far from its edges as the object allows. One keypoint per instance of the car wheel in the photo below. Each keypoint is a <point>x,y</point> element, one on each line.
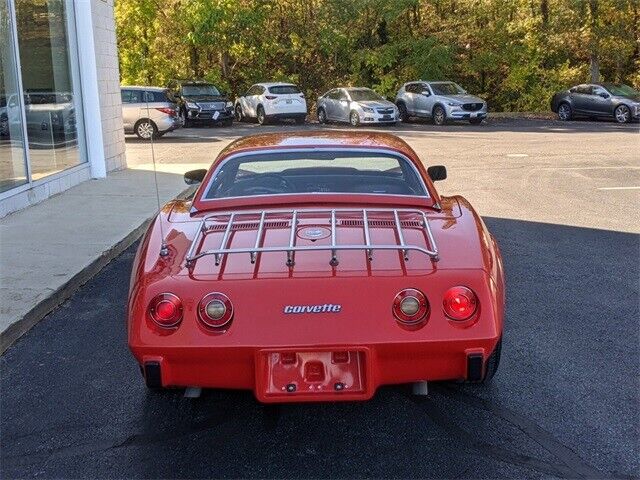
<point>300,120</point>
<point>564,112</point>
<point>439,115</point>
<point>146,129</point>
<point>185,120</point>
<point>239,114</point>
<point>404,114</point>
<point>322,116</point>
<point>354,119</point>
<point>262,117</point>
<point>622,114</point>
<point>475,121</point>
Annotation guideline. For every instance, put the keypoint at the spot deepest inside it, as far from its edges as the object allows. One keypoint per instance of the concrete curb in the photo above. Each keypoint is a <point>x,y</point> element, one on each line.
<point>59,296</point>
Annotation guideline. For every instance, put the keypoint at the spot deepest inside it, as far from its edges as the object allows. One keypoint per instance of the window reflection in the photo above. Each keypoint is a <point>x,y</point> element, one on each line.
<point>13,167</point>
<point>51,106</point>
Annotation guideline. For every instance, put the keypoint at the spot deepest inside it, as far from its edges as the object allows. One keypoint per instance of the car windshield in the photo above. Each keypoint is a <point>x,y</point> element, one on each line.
<point>621,90</point>
<point>199,91</point>
<point>313,172</point>
<point>446,88</point>
<point>284,90</point>
<point>364,95</point>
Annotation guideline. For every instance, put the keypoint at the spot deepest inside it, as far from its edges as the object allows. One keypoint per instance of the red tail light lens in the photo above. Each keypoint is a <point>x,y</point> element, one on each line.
<point>215,310</point>
<point>460,303</point>
<point>168,111</point>
<point>410,306</point>
<point>166,310</point>
<point>270,97</point>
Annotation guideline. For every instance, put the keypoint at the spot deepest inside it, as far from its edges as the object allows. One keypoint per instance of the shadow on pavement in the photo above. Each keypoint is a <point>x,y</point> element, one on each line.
<point>563,404</point>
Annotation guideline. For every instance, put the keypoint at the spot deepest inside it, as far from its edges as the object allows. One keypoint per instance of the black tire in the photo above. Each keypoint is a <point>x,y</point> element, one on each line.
<point>145,129</point>
<point>238,113</point>
<point>354,118</point>
<point>475,121</point>
<point>565,112</point>
<point>622,114</point>
<point>186,123</point>
<point>402,110</point>
<point>261,116</point>
<point>493,362</point>
<point>322,116</point>
<point>300,120</point>
<point>439,115</point>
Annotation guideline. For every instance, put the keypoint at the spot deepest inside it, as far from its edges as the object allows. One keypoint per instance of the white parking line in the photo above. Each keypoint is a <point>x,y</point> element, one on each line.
<point>517,155</point>
<point>619,188</point>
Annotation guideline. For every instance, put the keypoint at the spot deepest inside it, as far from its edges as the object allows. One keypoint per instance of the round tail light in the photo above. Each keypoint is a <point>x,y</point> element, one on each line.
<point>410,306</point>
<point>460,303</point>
<point>166,310</point>
<point>215,310</point>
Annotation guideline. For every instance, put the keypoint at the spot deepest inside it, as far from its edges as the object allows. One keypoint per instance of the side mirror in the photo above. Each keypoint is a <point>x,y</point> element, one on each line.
<point>437,172</point>
<point>604,95</point>
<point>193,177</point>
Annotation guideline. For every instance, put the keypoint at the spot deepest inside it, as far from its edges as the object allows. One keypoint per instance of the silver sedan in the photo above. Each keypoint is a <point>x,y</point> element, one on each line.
<point>356,106</point>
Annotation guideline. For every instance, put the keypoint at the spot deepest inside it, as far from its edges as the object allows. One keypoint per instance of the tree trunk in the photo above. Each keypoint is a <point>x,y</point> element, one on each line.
<point>594,42</point>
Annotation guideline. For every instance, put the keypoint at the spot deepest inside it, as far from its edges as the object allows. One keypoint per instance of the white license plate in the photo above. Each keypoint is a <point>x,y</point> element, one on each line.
<point>215,115</point>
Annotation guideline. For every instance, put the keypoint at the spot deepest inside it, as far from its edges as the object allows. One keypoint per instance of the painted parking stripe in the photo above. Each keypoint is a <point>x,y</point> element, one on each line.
<point>619,188</point>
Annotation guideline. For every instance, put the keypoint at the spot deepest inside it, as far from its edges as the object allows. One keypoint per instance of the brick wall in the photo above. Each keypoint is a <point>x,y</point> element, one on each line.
<point>104,35</point>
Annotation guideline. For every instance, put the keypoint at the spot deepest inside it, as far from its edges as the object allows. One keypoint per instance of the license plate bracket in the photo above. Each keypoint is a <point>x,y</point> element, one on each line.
<point>311,374</point>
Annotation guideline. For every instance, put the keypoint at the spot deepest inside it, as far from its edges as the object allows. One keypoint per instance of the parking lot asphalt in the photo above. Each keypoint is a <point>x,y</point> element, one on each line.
<point>564,403</point>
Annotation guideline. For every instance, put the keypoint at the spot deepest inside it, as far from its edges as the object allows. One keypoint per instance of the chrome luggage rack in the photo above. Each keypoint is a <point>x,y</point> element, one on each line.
<point>290,219</point>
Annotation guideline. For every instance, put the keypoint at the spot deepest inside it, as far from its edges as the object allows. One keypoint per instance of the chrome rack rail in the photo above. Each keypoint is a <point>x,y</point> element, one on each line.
<point>292,216</point>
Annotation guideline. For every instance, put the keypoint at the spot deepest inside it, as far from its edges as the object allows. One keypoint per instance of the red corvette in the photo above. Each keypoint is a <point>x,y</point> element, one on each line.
<point>316,266</point>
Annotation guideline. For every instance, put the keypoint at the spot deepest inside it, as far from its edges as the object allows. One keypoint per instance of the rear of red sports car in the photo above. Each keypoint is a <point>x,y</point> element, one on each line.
<point>315,296</point>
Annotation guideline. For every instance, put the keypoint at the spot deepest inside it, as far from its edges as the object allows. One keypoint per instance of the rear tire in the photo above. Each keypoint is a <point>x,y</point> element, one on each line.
<point>565,113</point>
<point>354,118</point>
<point>239,114</point>
<point>145,129</point>
<point>493,362</point>
<point>404,114</point>
<point>439,115</point>
<point>262,117</point>
<point>322,116</point>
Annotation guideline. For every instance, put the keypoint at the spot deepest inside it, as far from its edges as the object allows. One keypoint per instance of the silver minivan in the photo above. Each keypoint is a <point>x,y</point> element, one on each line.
<point>148,111</point>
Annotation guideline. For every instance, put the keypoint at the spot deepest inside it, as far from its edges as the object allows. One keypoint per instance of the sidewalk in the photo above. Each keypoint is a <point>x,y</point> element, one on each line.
<point>47,251</point>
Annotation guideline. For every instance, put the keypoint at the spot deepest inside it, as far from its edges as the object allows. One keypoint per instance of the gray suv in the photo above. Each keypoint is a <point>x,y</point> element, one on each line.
<point>439,101</point>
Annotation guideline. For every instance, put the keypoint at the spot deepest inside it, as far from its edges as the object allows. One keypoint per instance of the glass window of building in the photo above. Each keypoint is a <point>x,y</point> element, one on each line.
<point>50,85</point>
<point>13,165</point>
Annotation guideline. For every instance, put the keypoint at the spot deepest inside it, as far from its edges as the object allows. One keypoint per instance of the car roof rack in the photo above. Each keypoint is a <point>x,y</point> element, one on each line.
<point>370,218</point>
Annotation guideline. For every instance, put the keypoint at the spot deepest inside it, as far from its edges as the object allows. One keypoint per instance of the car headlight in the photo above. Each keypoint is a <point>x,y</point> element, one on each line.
<point>454,104</point>
<point>191,105</point>
<point>367,109</point>
<point>228,105</point>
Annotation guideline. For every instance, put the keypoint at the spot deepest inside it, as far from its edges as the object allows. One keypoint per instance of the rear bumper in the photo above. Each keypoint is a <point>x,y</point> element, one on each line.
<point>286,115</point>
<point>262,368</point>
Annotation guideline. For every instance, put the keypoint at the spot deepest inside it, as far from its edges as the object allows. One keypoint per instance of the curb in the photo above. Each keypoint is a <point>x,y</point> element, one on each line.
<point>64,292</point>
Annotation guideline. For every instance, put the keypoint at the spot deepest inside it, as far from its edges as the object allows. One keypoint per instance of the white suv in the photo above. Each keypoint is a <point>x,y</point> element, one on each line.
<point>272,101</point>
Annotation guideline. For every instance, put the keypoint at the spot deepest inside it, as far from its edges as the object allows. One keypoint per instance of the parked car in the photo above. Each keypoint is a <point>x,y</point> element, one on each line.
<point>316,266</point>
<point>148,111</point>
<point>355,105</point>
<point>272,101</point>
<point>201,102</point>
<point>607,100</point>
<point>439,101</point>
<point>4,116</point>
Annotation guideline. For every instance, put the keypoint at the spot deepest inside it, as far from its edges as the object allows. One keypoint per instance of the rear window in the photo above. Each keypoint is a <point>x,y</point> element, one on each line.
<point>284,90</point>
<point>156,96</point>
<point>303,172</point>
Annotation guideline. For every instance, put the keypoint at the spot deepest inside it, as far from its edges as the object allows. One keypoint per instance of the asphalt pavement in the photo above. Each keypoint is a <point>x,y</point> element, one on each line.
<point>564,403</point>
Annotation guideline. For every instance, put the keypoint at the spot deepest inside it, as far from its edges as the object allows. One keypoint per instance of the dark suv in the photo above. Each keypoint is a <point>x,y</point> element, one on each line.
<point>201,102</point>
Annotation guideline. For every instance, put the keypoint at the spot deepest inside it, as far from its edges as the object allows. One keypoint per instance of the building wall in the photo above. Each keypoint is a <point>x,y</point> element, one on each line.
<point>104,34</point>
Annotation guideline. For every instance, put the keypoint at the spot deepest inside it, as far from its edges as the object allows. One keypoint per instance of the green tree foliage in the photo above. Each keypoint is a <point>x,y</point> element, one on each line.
<point>516,53</point>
